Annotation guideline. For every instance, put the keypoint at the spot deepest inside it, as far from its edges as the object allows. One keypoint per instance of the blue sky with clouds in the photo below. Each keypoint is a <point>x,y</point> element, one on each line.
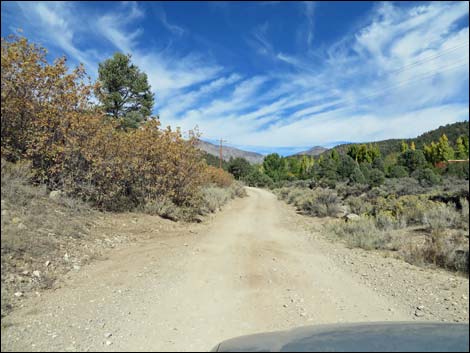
<point>275,76</point>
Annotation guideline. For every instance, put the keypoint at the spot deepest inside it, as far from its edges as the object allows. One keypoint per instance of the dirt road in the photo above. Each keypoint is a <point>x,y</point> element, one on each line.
<point>247,270</point>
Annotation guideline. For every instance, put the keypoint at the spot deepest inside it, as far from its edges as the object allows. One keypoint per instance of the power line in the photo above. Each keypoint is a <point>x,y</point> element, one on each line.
<point>430,58</point>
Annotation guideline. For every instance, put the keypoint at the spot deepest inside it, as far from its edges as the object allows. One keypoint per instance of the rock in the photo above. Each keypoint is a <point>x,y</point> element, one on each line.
<point>37,274</point>
<point>66,257</point>
<point>76,267</point>
<point>15,220</point>
<point>198,219</point>
<point>351,217</point>
<point>303,314</point>
<point>107,335</point>
<point>185,244</point>
<point>55,194</point>
<point>25,272</point>
<point>21,226</point>
<point>4,213</point>
<point>108,343</point>
<point>47,263</point>
<point>419,313</point>
<point>18,294</point>
<point>285,305</point>
<point>421,307</point>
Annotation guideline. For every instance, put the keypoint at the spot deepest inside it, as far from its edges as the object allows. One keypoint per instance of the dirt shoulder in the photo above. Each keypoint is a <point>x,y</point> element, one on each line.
<point>253,267</point>
<point>429,293</point>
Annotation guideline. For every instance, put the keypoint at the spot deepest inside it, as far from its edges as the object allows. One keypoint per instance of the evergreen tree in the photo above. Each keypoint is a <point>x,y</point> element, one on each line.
<point>124,91</point>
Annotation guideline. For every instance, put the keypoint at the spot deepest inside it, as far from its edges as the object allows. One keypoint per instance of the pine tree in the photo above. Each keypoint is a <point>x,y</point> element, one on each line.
<point>124,91</point>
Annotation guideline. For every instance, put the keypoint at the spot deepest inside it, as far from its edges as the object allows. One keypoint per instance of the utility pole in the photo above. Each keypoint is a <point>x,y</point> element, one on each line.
<point>220,153</point>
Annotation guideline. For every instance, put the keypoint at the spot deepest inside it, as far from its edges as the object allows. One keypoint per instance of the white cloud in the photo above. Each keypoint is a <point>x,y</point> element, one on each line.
<point>399,75</point>
<point>53,18</point>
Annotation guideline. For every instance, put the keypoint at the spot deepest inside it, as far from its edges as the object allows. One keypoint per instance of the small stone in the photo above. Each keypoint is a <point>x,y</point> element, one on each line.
<point>285,305</point>
<point>25,273</point>
<point>18,294</point>
<point>47,263</point>
<point>66,257</point>
<point>419,313</point>
<point>107,335</point>
<point>55,195</point>
<point>303,314</point>
<point>76,267</point>
<point>21,226</point>
<point>37,274</point>
<point>15,220</point>
<point>4,213</point>
<point>108,343</point>
<point>421,307</point>
<point>185,244</point>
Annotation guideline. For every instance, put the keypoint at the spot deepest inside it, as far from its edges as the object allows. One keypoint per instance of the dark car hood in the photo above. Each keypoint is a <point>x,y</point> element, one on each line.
<point>361,337</point>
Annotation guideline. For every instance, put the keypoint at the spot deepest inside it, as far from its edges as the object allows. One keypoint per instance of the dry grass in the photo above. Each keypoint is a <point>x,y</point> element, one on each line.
<point>35,229</point>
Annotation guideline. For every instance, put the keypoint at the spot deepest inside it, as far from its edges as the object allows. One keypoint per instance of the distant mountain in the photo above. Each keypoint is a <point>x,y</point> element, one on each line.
<point>228,152</point>
<point>314,151</point>
<point>386,147</point>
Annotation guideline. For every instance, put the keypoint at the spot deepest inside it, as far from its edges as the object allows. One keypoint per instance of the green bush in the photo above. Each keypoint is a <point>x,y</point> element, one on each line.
<point>426,177</point>
<point>398,171</point>
<point>412,160</point>
<point>258,179</point>
<point>460,170</point>
<point>376,177</point>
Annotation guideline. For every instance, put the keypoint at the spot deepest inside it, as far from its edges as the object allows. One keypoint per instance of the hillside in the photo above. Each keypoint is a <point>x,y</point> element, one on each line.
<point>393,145</point>
<point>314,151</point>
<point>230,152</point>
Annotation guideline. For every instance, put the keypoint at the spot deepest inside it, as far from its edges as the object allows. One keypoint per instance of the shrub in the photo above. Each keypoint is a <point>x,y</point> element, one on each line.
<point>164,208</point>
<point>386,221</point>
<point>214,197</point>
<point>460,170</point>
<point>464,214</point>
<point>296,196</point>
<point>376,177</point>
<point>403,186</point>
<point>358,205</point>
<point>47,118</point>
<point>450,252</point>
<point>258,179</point>
<point>426,177</point>
<point>362,233</point>
<point>322,203</point>
<point>412,160</point>
<point>357,176</point>
<point>218,177</point>
<point>441,216</point>
<point>398,171</point>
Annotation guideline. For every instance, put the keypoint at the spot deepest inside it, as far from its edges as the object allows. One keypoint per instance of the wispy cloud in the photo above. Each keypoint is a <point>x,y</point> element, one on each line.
<point>56,24</point>
<point>400,73</point>
<point>161,14</point>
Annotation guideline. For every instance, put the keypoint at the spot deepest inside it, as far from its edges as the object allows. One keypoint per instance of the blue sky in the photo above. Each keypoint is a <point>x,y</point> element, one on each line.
<point>275,76</point>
